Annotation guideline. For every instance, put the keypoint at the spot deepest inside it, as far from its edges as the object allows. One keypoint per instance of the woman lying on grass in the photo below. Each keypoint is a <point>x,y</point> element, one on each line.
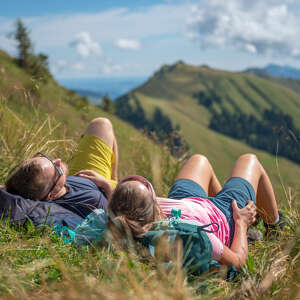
<point>201,199</point>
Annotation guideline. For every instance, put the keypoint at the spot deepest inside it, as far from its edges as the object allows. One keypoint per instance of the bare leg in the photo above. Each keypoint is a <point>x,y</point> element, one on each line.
<point>199,169</point>
<point>102,128</point>
<point>114,167</point>
<point>248,167</point>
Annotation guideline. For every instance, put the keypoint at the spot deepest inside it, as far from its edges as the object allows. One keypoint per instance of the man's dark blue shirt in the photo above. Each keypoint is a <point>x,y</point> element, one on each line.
<point>83,196</point>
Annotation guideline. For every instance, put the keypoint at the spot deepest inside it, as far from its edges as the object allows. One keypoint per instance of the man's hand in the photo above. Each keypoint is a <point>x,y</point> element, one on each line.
<point>2,187</point>
<point>247,215</point>
<point>98,179</point>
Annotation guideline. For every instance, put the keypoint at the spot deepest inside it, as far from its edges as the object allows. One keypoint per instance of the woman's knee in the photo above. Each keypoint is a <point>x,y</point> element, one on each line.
<point>202,162</point>
<point>249,157</point>
<point>247,165</point>
<point>199,157</point>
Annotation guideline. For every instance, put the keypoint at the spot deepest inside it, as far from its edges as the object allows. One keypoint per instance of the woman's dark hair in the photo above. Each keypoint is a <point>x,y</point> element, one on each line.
<point>132,211</point>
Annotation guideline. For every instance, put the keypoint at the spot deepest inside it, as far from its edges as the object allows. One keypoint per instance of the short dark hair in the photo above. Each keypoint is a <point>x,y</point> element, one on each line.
<point>28,181</point>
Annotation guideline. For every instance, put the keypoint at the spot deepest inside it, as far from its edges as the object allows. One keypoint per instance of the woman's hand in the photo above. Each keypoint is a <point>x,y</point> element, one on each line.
<point>238,252</point>
<point>98,179</point>
<point>246,215</point>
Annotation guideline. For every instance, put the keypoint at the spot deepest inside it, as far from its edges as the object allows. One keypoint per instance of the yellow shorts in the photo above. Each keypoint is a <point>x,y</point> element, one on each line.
<point>93,154</point>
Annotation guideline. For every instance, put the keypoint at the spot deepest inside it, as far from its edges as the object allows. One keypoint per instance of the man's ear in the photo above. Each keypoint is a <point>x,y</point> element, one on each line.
<point>48,197</point>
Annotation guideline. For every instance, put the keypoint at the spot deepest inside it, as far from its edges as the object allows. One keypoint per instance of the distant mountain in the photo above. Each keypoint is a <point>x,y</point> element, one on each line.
<point>202,101</point>
<point>96,88</point>
<point>276,71</point>
<point>271,73</point>
<point>283,71</point>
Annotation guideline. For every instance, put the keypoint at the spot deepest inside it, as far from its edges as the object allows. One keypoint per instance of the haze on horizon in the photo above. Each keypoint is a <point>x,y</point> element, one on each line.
<point>134,38</point>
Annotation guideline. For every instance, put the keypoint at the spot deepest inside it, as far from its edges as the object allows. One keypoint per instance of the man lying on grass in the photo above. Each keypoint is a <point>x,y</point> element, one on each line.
<point>41,178</point>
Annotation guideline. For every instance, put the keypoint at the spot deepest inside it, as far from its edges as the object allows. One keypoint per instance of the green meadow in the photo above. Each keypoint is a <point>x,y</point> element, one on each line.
<point>34,263</point>
<point>172,89</point>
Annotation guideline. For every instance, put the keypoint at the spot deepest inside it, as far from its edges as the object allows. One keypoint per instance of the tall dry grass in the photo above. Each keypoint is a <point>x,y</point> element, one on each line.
<point>36,264</point>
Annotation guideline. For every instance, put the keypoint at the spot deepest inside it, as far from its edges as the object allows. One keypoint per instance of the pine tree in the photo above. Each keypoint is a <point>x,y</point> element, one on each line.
<point>108,105</point>
<point>35,65</point>
<point>24,45</point>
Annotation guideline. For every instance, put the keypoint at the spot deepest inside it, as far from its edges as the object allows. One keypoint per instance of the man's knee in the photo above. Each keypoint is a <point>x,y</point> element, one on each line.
<point>99,126</point>
<point>102,128</point>
<point>101,123</point>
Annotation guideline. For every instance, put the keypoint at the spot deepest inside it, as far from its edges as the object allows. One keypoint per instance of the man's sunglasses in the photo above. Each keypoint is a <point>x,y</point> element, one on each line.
<point>58,170</point>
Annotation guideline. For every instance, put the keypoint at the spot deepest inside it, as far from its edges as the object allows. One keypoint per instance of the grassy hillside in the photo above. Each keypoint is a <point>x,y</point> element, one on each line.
<point>34,263</point>
<point>237,91</point>
<point>60,116</point>
<point>173,89</point>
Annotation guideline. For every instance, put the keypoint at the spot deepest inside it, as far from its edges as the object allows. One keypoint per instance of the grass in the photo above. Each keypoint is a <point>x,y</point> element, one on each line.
<point>34,263</point>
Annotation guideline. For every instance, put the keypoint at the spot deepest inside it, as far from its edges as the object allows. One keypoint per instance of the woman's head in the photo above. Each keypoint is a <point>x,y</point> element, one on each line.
<point>133,206</point>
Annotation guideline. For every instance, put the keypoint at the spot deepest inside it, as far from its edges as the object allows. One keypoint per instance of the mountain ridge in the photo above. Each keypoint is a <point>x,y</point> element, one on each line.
<point>191,96</point>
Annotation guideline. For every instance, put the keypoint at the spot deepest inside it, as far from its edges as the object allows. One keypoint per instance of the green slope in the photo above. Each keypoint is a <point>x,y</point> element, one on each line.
<point>237,91</point>
<point>35,116</point>
<point>173,89</point>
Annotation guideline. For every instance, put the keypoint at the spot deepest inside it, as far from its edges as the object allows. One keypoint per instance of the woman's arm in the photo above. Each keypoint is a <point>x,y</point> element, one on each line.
<point>238,252</point>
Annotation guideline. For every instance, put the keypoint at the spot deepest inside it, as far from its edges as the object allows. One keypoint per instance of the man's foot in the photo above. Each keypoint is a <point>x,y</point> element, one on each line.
<point>254,235</point>
<point>272,230</point>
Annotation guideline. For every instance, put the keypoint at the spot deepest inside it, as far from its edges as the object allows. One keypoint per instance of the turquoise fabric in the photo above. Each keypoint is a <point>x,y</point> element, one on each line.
<point>197,248</point>
<point>92,229</point>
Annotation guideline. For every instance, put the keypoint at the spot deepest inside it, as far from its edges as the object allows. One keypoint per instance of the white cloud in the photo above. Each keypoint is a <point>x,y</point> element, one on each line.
<point>109,69</point>
<point>63,66</point>
<point>78,66</point>
<point>58,66</point>
<point>250,48</point>
<point>128,44</point>
<point>262,27</point>
<point>106,26</point>
<point>84,45</point>
<point>85,32</point>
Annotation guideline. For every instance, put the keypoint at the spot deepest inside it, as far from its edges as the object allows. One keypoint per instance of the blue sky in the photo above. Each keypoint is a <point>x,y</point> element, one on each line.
<point>121,38</point>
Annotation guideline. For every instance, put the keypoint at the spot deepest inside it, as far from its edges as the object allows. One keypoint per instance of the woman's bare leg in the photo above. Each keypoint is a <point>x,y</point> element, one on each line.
<point>199,169</point>
<point>248,167</point>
